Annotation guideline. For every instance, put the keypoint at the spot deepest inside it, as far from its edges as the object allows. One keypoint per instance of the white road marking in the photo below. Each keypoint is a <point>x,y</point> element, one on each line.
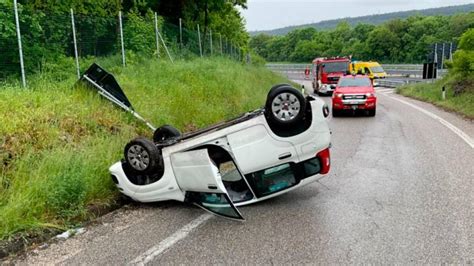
<point>384,90</point>
<point>450,126</point>
<point>161,247</point>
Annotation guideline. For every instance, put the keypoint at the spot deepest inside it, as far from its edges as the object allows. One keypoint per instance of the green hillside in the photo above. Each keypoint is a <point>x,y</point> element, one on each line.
<point>373,19</point>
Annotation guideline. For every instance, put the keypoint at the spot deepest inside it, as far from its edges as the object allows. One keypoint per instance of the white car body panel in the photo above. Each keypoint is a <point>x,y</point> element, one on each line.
<point>195,171</point>
<point>251,144</point>
<point>250,149</point>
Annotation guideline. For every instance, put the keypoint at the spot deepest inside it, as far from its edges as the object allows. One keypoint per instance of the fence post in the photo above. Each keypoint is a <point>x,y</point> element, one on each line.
<point>210,39</point>
<point>166,48</point>
<point>451,51</point>
<point>220,38</point>
<point>442,57</point>
<point>76,54</point>
<point>180,33</point>
<point>121,38</point>
<point>20,48</point>
<point>435,67</point>
<point>157,40</point>
<point>199,39</point>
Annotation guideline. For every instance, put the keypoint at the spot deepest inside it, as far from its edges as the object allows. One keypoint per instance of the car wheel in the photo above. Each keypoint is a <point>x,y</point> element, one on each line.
<point>285,105</point>
<point>372,112</point>
<point>164,133</point>
<point>143,156</point>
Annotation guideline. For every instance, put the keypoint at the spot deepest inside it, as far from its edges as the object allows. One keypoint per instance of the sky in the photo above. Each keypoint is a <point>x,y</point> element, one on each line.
<point>272,14</point>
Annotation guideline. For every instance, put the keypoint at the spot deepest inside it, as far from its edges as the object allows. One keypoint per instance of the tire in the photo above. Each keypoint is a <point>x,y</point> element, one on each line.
<point>285,105</point>
<point>372,112</point>
<point>143,156</point>
<point>164,133</point>
<point>278,86</point>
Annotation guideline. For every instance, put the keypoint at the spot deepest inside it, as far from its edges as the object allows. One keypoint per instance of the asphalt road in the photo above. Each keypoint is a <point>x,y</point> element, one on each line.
<point>400,190</point>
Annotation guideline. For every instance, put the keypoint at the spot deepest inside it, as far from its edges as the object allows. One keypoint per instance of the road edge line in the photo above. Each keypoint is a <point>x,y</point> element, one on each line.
<point>450,126</point>
<point>168,242</point>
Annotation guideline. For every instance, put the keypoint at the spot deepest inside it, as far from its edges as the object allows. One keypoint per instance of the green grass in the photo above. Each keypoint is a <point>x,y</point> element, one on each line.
<point>57,141</point>
<point>431,92</point>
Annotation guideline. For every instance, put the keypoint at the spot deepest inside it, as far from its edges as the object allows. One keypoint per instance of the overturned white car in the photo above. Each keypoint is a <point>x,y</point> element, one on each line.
<point>259,155</point>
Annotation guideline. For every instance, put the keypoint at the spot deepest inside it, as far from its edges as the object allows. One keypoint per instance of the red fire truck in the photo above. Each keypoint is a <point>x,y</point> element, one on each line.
<point>327,71</point>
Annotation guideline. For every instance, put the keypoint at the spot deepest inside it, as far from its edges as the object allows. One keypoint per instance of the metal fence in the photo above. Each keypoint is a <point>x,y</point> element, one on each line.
<point>37,41</point>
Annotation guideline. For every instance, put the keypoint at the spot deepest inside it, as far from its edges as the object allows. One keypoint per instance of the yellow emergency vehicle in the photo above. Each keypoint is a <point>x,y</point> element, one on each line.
<point>372,69</point>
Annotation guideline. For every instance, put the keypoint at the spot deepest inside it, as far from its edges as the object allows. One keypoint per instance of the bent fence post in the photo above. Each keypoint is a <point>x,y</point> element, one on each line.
<point>76,54</point>
<point>157,40</point>
<point>121,38</point>
<point>20,48</point>
<point>199,40</point>
<point>166,48</point>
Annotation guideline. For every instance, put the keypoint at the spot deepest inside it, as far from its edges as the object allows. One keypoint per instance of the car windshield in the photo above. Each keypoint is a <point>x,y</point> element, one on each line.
<point>377,69</point>
<point>336,67</point>
<point>354,82</point>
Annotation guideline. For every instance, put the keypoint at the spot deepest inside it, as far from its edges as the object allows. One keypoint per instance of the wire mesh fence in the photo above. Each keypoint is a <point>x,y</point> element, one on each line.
<point>51,40</point>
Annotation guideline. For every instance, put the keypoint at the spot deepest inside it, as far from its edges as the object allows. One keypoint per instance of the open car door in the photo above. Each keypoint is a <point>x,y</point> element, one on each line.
<point>199,177</point>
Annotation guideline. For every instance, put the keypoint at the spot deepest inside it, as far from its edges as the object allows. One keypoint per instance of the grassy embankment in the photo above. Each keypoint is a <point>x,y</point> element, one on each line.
<point>57,142</point>
<point>463,103</point>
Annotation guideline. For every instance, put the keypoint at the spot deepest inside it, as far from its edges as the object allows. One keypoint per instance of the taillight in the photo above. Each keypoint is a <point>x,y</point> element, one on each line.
<point>325,159</point>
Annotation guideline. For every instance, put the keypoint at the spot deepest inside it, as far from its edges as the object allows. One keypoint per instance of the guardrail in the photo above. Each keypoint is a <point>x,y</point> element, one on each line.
<point>396,83</point>
<point>393,70</point>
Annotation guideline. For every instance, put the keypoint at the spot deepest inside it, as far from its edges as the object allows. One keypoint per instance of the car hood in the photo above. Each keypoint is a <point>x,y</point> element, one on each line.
<point>346,90</point>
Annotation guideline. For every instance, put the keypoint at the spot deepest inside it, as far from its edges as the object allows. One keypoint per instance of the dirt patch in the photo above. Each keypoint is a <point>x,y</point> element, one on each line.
<point>463,86</point>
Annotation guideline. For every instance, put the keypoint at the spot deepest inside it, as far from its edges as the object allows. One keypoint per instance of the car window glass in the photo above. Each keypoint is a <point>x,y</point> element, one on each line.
<point>355,82</point>
<point>377,69</point>
<point>234,183</point>
<point>218,203</point>
<point>272,180</point>
<point>311,167</point>
<point>336,67</point>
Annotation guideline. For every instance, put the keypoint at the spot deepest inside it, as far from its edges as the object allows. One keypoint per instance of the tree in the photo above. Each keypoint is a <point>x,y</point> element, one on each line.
<point>382,43</point>
<point>464,58</point>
